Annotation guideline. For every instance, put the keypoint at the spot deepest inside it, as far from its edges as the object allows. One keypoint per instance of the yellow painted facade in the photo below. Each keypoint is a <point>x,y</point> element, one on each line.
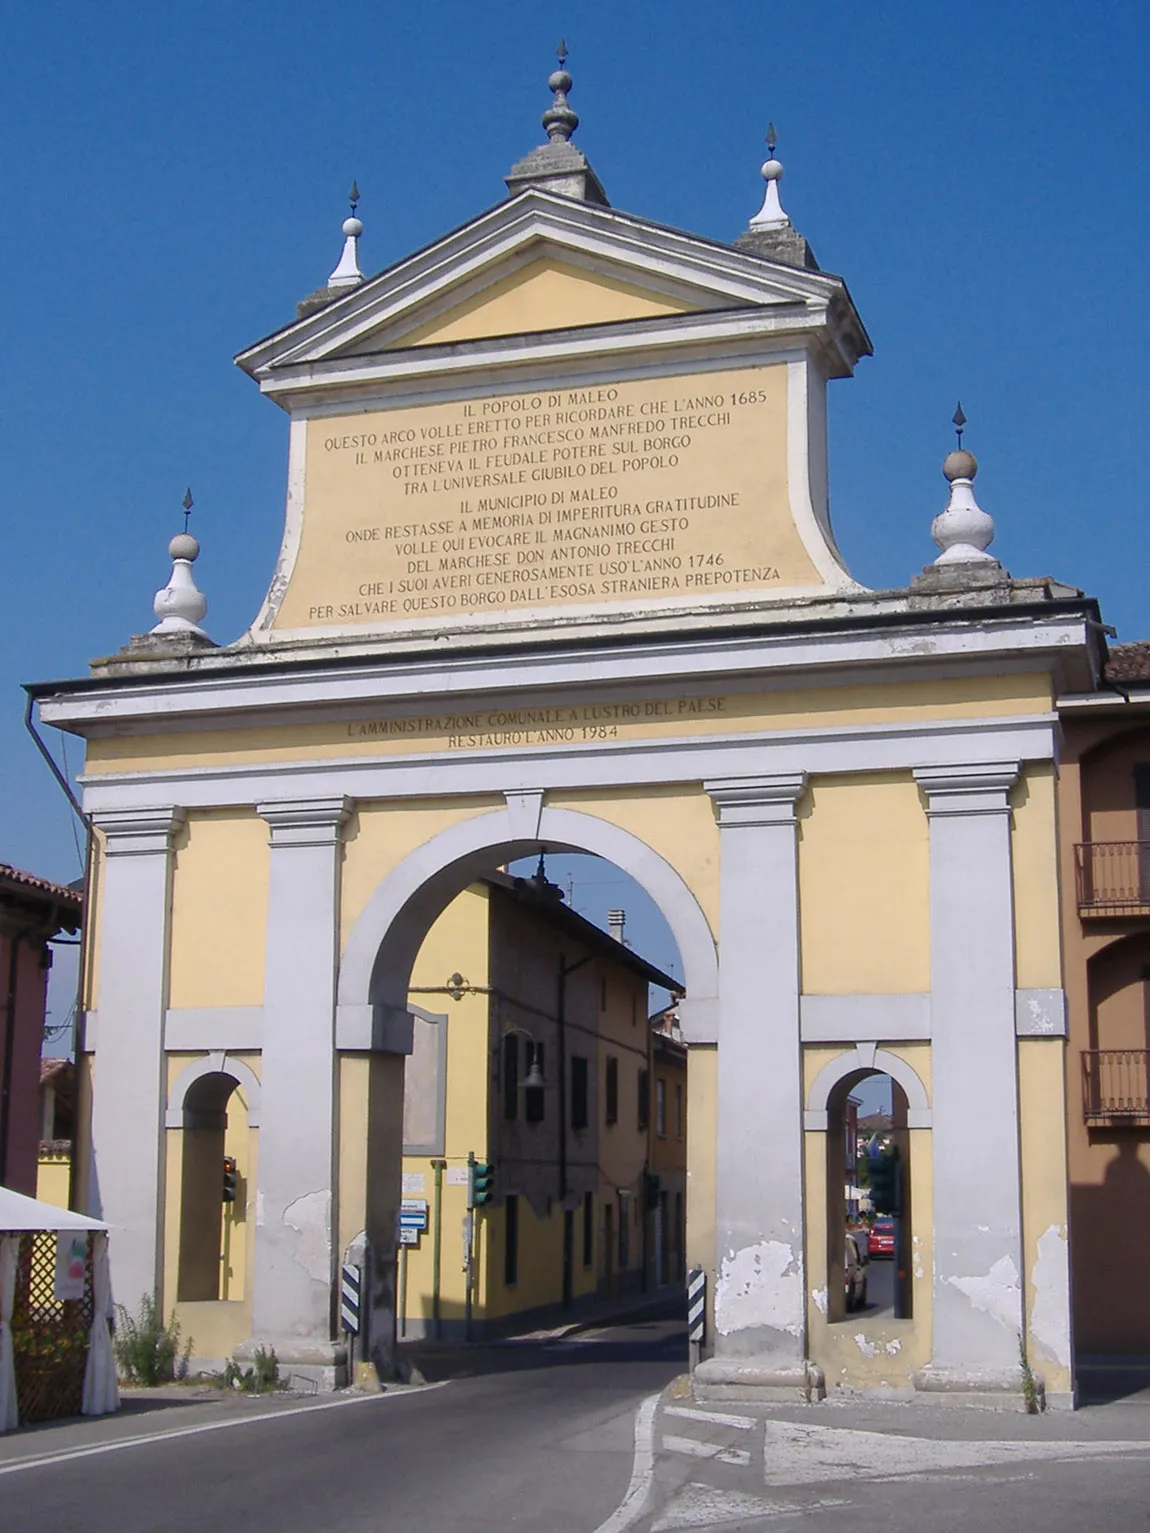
<point>742,712</point>
<point>864,881</point>
<point>219,899</point>
<point>1045,1231</point>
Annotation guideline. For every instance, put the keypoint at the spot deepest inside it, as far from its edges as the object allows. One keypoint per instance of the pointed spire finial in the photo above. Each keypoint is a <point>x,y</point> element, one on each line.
<point>964,530</point>
<point>348,273</point>
<point>771,215</point>
<point>559,119</point>
<point>180,604</point>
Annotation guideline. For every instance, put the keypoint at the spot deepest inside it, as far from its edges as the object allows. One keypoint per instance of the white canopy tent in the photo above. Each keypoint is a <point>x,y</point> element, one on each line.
<point>20,1215</point>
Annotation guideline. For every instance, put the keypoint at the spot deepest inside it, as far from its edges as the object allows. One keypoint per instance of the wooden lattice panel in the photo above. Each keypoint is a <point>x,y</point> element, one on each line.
<point>50,1336</point>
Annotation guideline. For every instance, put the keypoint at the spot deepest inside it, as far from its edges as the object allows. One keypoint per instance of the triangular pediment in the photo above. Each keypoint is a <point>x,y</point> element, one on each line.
<point>537,263</point>
<point>543,289</point>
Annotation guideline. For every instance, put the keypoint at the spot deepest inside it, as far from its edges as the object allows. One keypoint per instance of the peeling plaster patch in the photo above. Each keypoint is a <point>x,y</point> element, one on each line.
<point>916,1256</point>
<point>998,1293</point>
<point>867,1348</point>
<point>1050,1319</point>
<point>819,1295</point>
<point>762,1285</point>
<point>310,1217</point>
<point>893,1348</point>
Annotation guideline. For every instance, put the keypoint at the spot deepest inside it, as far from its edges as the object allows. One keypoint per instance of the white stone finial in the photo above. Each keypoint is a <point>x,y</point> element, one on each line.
<point>347,273</point>
<point>771,215</point>
<point>181,604</point>
<point>964,529</point>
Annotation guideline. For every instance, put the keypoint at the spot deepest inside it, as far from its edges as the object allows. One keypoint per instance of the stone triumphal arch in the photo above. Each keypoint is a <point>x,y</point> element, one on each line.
<point>558,570</point>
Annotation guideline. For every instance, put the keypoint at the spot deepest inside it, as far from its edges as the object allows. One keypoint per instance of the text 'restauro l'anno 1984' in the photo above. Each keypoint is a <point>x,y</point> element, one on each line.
<point>607,495</point>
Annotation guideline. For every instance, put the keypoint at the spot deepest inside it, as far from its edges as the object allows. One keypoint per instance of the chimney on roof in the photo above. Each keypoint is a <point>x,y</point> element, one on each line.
<point>616,921</point>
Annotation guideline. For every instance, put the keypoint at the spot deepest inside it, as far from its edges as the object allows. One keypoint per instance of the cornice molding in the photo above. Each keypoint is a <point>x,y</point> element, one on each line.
<point>138,832</point>
<point>749,801</point>
<point>983,788</point>
<point>307,821</point>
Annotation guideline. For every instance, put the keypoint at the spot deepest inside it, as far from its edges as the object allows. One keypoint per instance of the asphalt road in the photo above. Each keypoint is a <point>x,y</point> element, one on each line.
<point>541,1437</point>
<point>543,1443</point>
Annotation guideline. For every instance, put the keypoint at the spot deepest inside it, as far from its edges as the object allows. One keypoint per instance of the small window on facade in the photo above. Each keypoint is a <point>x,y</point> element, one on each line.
<point>624,1236</point>
<point>643,1116</point>
<point>678,1110</point>
<point>534,1097</point>
<point>510,1240</point>
<point>611,1094</point>
<point>588,1229</point>
<point>661,1108</point>
<point>511,1077</point>
<point>579,1092</point>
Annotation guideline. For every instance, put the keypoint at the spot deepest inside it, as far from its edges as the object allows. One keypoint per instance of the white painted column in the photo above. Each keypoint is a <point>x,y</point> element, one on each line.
<point>760,1291</point>
<point>135,903</point>
<point>294,1268</point>
<point>978,1263</point>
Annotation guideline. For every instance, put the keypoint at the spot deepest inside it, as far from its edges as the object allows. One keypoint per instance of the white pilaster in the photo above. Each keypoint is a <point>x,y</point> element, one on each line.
<point>760,1304</point>
<point>127,1101</point>
<point>978,1262</point>
<point>294,1254</point>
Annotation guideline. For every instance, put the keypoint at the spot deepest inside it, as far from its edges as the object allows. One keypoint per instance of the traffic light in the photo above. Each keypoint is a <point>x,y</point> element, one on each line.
<point>883,1168</point>
<point>651,1189</point>
<point>480,1183</point>
<point>229,1192</point>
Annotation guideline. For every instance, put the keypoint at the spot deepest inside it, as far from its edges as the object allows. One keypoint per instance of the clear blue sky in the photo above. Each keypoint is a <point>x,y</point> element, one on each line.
<point>173,180</point>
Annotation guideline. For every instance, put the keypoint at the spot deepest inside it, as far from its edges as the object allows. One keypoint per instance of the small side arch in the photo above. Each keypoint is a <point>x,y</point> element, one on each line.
<point>867,1056</point>
<point>213,1064</point>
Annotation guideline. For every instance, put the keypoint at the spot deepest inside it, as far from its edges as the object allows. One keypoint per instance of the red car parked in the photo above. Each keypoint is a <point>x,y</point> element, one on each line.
<point>880,1241</point>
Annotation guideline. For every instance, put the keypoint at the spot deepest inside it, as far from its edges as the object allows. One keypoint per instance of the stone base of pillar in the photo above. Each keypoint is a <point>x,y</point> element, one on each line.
<point>322,1364</point>
<point>752,1379</point>
<point>1000,1389</point>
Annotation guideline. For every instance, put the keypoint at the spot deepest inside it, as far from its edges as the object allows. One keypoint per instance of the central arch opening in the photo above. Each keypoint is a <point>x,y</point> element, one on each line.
<point>545,1097</point>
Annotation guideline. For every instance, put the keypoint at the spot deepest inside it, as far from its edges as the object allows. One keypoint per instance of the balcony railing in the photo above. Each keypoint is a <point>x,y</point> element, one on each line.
<point>1115,1084</point>
<point>1113,877</point>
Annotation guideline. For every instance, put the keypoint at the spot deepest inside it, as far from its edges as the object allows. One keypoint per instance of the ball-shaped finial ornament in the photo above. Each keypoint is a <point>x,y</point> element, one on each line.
<point>559,80</point>
<point>352,227</point>
<point>184,546</point>
<point>772,169</point>
<point>960,464</point>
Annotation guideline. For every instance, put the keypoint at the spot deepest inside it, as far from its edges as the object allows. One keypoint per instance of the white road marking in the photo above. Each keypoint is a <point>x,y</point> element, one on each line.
<point>114,1445</point>
<point>804,1455</point>
<point>742,1423</point>
<point>631,1508</point>
<point>702,1506</point>
<point>693,1448</point>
